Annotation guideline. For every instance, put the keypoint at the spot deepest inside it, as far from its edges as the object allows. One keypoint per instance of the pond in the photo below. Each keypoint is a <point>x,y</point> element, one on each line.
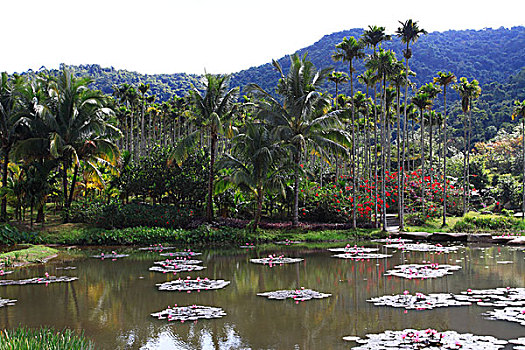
<point>112,300</point>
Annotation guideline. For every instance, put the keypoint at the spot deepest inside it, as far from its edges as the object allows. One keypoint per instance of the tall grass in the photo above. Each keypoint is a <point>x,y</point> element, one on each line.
<point>43,339</point>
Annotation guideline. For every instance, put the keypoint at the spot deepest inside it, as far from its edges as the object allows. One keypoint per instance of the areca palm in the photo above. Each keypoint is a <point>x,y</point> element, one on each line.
<point>444,79</point>
<point>409,32</point>
<point>348,50</point>
<point>338,78</point>
<point>299,118</point>
<point>519,111</point>
<point>422,100</point>
<point>468,92</point>
<point>213,109</point>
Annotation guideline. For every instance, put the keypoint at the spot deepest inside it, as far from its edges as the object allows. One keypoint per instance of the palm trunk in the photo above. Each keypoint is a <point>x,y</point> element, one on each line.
<point>375,159</point>
<point>383,148</point>
<point>354,183</point>
<point>295,214</point>
<point>445,157</point>
<point>4,183</point>
<point>402,188</point>
<point>209,200</point>
<point>399,164</point>
<point>422,163</point>
<point>464,164</point>
<point>259,206</point>
<point>523,172</point>
<point>71,191</point>
<point>468,153</point>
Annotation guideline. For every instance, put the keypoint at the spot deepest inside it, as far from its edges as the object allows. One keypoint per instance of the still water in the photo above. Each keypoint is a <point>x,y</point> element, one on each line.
<point>112,300</point>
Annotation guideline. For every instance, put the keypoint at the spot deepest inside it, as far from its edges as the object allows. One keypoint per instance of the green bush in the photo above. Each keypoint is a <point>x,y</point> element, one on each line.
<point>485,222</point>
<point>43,339</point>
<point>11,235</point>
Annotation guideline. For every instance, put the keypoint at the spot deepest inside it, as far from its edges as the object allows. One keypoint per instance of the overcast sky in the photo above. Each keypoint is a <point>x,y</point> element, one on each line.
<point>221,36</point>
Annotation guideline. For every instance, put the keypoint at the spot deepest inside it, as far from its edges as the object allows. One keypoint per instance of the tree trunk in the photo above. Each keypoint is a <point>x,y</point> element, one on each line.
<point>259,206</point>
<point>399,164</point>
<point>209,200</point>
<point>4,183</point>
<point>375,159</point>
<point>464,164</point>
<point>295,209</point>
<point>383,155</point>
<point>445,185</point>
<point>354,183</point>
<point>523,172</point>
<point>71,191</point>
<point>422,142</point>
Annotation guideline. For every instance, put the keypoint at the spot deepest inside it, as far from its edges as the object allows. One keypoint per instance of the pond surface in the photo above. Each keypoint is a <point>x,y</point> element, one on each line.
<point>112,300</point>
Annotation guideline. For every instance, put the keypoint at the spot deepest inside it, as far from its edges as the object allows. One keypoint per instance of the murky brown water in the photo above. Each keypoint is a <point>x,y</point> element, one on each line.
<point>112,300</point>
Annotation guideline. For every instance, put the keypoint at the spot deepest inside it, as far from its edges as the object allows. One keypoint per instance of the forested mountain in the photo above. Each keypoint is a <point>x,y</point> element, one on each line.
<point>488,55</point>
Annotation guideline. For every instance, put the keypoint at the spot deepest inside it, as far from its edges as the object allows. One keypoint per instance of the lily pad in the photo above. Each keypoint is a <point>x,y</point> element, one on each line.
<point>189,285</point>
<point>156,248</point>
<point>183,261</point>
<point>3,272</point>
<point>189,313</point>
<point>362,256</point>
<point>109,256</point>
<point>295,294</point>
<point>353,250</point>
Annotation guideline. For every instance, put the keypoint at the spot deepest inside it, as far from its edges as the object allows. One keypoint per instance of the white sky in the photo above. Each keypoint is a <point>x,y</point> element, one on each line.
<point>221,36</point>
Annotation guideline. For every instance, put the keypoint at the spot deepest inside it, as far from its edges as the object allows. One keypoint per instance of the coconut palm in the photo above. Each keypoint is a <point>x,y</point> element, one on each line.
<point>348,50</point>
<point>409,32</point>
<point>519,111</point>
<point>338,78</point>
<point>298,118</point>
<point>253,159</point>
<point>444,79</point>
<point>213,109</point>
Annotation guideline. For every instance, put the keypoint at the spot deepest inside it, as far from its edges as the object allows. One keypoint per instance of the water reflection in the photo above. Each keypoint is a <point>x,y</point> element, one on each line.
<point>112,300</point>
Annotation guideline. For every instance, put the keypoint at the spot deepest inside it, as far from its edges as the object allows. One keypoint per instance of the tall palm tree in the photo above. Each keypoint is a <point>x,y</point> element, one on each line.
<point>468,92</point>
<point>444,79</point>
<point>409,32</point>
<point>519,111</point>
<point>348,50</point>
<point>8,123</point>
<point>298,118</point>
<point>432,91</point>
<point>422,101</point>
<point>213,109</point>
<point>383,62</point>
<point>79,128</point>
<point>338,78</point>
<point>368,78</point>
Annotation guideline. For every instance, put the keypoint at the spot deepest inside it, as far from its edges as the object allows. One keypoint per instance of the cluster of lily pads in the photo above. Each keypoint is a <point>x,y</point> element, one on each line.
<point>301,294</point>
<point>156,248</point>
<point>189,285</point>
<point>422,247</point>
<point>112,256</point>
<point>7,302</point>
<point>422,271</point>
<point>2,272</point>
<point>426,339</point>
<point>273,260</point>
<point>186,253</point>
<point>176,266</point>
<point>357,253</point>
<point>418,301</point>
<point>512,314</point>
<point>189,313</point>
<point>38,280</point>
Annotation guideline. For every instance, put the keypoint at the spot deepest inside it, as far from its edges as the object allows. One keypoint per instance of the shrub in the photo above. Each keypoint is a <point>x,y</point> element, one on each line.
<point>11,235</point>
<point>485,222</point>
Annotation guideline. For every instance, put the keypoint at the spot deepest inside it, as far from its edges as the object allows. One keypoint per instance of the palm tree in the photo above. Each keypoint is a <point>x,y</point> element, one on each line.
<point>408,32</point>
<point>422,101</point>
<point>383,62</point>
<point>254,163</point>
<point>348,50</point>
<point>143,88</point>
<point>213,108</point>
<point>338,78</point>
<point>79,129</point>
<point>519,111</point>
<point>432,91</point>
<point>8,123</point>
<point>468,92</point>
<point>368,78</point>
<point>298,118</point>
<point>444,79</point>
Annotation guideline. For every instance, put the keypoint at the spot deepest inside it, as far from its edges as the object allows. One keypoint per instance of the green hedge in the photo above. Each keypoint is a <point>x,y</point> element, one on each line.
<point>486,222</point>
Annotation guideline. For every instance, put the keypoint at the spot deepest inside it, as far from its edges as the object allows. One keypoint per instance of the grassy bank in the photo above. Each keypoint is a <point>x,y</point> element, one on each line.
<point>30,255</point>
<point>43,339</point>
<point>474,222</point>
